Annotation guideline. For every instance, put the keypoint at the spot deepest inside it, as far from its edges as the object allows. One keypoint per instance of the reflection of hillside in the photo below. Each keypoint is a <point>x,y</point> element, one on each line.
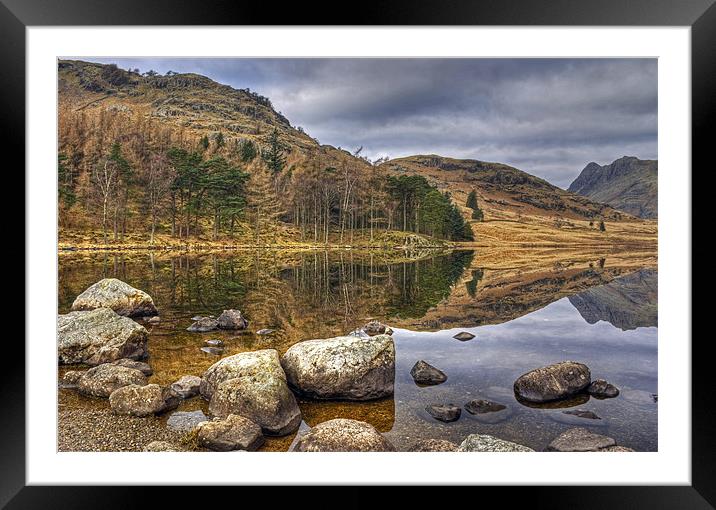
<point>628,302</point>
<point>493,295</point>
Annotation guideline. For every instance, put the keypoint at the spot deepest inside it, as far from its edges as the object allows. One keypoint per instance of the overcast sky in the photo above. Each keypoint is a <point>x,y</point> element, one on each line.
<point>549,117</point>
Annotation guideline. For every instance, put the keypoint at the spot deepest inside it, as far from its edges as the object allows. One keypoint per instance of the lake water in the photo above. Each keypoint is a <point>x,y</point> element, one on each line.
<point>597,312</point>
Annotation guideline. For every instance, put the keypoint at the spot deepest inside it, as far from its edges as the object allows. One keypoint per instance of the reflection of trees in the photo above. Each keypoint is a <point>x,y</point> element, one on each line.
<point>313,294</point>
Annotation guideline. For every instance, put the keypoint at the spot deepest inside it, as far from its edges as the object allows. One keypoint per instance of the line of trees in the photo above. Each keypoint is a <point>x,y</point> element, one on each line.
<point>126,174</point>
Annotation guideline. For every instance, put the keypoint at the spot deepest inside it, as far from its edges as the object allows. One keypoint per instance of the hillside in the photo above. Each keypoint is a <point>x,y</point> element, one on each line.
<point>319,194</point>
<point>628,184</point>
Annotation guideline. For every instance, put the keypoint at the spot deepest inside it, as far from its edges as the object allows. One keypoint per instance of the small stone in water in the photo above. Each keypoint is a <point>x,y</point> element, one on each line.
<point>463,336</point>
<point>216,351</point>
<point>444,412</point>
<point>264,331</point>
<point>214,342</point>
<point>581,413</point>
<point>483,406</point>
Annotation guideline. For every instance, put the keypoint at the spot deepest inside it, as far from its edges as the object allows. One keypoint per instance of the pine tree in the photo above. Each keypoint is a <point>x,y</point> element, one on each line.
<point>204,142</point>
<point>472,200</point>
<point>275,154</point>
<point>263,204</point>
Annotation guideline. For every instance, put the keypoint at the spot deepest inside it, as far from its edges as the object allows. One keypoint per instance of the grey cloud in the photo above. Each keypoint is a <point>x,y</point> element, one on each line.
<point>549,117</point>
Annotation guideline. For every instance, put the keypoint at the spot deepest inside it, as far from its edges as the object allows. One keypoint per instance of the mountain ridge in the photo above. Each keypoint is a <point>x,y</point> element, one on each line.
<point>629,184</point>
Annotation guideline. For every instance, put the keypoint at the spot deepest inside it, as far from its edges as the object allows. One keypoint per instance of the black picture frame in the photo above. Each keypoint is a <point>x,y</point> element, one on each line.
<point>700,15</point>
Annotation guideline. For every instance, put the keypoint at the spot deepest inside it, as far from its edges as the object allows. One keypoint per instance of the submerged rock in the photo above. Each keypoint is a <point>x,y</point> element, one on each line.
<point>553,382</point>
<point>444,412</point>
<point>232,433</point>
<point>118,296</point>
<point>374,328</point>
<point>434,445</point>
<point>214,342</point>
<point>486,443</point>
<point>154,320</point>
<point>186,386</point>
<point>463,336</point>
<point>424,373</point>
<point>99,336</point>
<point>232,319</point>
<point>580,440</point>
<point>216,351</point>
<point>185,421</point>
<point>253,385</point>
<point>346,367</point>
<point>103,380</point>
<point>161,446</point>
<point>137,365</point>
<point>343,435</point>
<point>602,389</point>
<point>141,401</point>
<point>203,324</point>
<point>582,413</point>
<point>264,331</point>
<point>480,406</point>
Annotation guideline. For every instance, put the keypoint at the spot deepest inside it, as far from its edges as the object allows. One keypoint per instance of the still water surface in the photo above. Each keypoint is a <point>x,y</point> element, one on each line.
<point>604,316</point>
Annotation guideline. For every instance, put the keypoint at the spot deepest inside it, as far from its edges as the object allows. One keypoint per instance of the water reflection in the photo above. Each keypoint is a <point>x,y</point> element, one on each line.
<point>522,317</point>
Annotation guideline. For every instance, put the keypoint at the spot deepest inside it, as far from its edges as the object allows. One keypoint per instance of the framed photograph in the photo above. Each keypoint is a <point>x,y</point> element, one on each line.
<point>427,248</point>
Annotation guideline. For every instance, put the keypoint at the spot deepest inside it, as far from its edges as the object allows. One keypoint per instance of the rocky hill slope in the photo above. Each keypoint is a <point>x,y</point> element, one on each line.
<point>628,184</point>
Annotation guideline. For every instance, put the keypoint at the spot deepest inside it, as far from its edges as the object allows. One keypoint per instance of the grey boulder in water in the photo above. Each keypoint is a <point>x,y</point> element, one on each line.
<point>99,336</point>
<point>345,367</point>
<point>118,296</point>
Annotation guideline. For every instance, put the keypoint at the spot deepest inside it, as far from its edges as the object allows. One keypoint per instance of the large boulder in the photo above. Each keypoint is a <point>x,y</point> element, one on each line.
<point>136,400</point>
<point>99,336</point>
<point>343,435</point>
<point>232,319</point>
<point>346,367</point>
<point>253,385</point>
<point>553,382</point>
<point>117,295</point>
<point>103,380</point>
<point>486,443</point>
<point>426,374</point>
<point>580,440</point>
<point>232,433</point>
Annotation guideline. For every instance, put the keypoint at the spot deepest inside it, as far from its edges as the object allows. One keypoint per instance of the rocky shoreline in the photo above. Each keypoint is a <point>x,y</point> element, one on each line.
<point>251,397</point>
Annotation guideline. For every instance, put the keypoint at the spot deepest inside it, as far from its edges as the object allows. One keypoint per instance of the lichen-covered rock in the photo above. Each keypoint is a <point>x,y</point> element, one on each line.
<point>137,365</point>
<point>434,445</point>
<point>346,367</point>
<point>486,443</point>
<point>580,440</point>
<point>232,433</point>
<point>99,336</point>
<point>203,324</point>
<point>117,295</point>
<point>185,421</point>
<point>444,412</point>
<point>103,380</point>
<point>426,374</point>
<point>342,435</point>
<point>141,401</point>
<point>232,319</point>
<point>186,386</point>
<point>374,328</point>
<point>71,379</point>
<point>553,382</point>
<point>616,449</point>
<point>161,446</point>
<point>253,385</point>
<point>600,388</point>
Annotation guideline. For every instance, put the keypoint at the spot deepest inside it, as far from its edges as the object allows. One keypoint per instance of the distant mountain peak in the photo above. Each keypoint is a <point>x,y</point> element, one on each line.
<point>629,184</point>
